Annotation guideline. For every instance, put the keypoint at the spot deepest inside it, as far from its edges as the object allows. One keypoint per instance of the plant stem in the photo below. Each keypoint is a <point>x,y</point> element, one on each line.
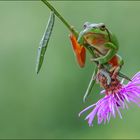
<point>60,17</point>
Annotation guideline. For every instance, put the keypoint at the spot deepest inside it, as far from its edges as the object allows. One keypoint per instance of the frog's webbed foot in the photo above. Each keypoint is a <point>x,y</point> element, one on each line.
<point>115,70</point>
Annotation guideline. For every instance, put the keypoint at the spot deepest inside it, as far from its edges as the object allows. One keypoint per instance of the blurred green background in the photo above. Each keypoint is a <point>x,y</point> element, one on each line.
<point>47,105</point>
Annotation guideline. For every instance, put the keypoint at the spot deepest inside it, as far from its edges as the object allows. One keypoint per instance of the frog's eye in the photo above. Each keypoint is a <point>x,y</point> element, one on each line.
<point>103,27</point>
<point>85,25</point>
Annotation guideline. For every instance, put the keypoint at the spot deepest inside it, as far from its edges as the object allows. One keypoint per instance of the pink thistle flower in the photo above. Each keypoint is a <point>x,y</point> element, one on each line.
<point>116,97</point>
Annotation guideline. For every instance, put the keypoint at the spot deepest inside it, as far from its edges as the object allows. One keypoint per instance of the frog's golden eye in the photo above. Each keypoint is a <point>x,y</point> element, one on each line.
<point>103,27</point>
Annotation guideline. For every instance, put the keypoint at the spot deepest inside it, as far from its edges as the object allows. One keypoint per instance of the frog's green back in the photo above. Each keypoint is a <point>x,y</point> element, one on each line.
<point>114,39</point>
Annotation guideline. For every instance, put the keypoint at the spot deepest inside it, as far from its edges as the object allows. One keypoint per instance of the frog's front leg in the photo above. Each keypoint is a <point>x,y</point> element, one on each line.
<point>111,52</point>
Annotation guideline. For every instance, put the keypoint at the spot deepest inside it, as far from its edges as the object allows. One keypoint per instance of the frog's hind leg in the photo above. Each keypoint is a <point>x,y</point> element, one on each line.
<point>116,63</point>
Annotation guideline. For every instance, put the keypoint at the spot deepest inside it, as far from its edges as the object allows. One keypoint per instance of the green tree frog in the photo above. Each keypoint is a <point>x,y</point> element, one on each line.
<point>102,45</point>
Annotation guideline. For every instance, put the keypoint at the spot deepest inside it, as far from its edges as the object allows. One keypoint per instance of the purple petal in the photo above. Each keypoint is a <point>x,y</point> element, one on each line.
<point>111,104</point>
<point>86,109</point>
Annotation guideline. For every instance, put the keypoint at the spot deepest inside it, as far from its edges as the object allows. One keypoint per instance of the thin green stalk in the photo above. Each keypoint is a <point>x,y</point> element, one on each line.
<point>60,17</point>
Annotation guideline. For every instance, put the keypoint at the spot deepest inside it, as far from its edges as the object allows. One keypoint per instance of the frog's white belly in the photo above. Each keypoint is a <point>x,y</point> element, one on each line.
<point>101,48</point>
<point>97,42</point>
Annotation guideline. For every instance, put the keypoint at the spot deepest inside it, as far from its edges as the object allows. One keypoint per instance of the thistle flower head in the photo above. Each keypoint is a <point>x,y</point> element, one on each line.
<point>117,96</point>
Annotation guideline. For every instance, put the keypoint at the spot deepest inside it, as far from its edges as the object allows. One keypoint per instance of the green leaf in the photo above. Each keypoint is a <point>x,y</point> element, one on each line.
<point>44,42</point>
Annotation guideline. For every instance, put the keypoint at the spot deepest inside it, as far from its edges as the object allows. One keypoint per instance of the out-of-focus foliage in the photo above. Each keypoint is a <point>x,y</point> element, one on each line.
<point>47,105</point>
